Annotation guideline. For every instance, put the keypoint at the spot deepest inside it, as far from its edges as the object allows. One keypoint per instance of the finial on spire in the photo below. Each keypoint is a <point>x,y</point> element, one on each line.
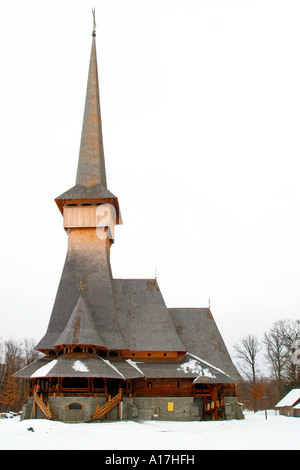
<point>94,23</point>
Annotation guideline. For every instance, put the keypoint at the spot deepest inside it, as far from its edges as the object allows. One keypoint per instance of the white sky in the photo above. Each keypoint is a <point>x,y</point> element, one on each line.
<point>200,106</point>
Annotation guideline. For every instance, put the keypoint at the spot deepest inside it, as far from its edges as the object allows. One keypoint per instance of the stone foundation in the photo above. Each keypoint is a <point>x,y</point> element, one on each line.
<point>80,409</point>
<point>161,408</point>
<point>70,409</point>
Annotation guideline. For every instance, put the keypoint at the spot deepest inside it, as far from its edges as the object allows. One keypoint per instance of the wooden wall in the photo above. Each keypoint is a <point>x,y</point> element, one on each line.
<point>163,387</point>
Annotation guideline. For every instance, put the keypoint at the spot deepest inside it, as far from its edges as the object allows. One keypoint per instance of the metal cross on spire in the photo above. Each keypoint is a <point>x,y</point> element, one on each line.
<point>94,23</point>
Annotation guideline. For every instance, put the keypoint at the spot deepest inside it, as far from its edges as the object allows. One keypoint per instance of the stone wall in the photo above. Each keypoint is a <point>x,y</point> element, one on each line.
<point>70,409</point>
<point>161,408</point>
<point>80,409</point>
<point>233,409</point>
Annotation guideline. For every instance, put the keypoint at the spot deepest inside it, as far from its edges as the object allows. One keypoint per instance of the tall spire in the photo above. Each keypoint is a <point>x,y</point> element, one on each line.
<point>91,164</point>
<point>91,185</point>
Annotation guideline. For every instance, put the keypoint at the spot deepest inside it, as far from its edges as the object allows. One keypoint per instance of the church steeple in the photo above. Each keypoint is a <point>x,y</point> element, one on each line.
<point>90,212</point>
<point>91,164</point>
<point>91,183</point>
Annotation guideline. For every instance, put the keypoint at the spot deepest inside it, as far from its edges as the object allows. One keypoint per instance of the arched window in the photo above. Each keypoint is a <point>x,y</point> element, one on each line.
<point>75,406</point>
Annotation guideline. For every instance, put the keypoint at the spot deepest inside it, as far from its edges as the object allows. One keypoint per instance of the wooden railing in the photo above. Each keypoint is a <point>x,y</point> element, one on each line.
<point>109,405</point>
<point>45,408</point>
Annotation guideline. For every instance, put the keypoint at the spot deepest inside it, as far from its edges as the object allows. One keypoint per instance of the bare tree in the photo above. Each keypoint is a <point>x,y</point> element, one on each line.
<point>290,334</point>
<point>15,355</point>
<point>247,351</point>
<point>30,353</point>
<point>277,354</point>
<point>10,392</point>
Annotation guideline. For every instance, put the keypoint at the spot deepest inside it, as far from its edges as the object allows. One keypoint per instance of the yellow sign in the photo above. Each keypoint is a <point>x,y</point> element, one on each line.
<point>170,406</point>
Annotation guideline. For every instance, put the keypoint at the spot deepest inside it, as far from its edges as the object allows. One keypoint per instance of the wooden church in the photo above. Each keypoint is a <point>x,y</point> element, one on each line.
<point>113,350</point>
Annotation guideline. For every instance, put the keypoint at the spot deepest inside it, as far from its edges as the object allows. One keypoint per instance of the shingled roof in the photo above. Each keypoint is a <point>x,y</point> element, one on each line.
<point>191,367</point>
<point>91,183</point>
<point>143,323</point>
<point>91,268</point>
<point>96,191</point>
<point>199,333</point>
<point>71,366</point>
<point>143,317</point>
<point>80,328</point>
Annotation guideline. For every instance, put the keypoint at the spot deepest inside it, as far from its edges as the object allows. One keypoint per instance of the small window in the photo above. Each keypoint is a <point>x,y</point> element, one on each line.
<point>77,350</point>
<point>149,384</point>
<point>113,353</point>
<point>102,353</point>
<point>75,406</point>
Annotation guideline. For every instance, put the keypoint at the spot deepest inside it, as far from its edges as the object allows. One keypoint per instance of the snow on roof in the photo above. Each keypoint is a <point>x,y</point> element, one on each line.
<point>112,366</point>
<point>210,365</point>
<point>44,370</point>
<point>134,364</point>
<point>80,366</point>
<point>290,398</point>
<point>193,366</point>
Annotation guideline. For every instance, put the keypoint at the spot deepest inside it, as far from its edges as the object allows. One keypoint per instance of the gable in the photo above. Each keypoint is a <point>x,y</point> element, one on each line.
<point>199,333</point>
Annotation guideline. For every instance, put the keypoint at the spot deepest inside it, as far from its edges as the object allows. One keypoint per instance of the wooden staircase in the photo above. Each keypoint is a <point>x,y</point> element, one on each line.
<point>45,408</point>
<point>109,405</point>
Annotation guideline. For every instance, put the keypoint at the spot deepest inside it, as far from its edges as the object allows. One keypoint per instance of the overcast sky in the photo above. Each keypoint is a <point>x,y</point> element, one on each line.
<point>200,106</point>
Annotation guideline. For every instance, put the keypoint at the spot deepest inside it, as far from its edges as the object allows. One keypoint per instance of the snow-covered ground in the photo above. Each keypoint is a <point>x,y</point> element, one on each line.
<point>254,432</point>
